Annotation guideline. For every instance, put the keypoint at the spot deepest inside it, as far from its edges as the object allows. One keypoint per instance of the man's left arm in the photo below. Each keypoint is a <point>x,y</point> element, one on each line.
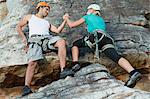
<point>59,29</point>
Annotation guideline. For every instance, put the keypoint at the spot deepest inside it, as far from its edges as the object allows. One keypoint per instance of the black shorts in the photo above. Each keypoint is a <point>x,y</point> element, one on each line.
<point>81,43</point>
<point>110,52</point>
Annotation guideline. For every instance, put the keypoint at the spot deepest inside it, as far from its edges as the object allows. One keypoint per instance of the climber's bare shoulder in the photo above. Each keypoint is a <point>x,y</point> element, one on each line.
<point>27,17</point>
<point>24,21</point>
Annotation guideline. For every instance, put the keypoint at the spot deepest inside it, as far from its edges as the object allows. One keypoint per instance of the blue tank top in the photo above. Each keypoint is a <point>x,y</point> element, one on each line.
<point>94,22</point>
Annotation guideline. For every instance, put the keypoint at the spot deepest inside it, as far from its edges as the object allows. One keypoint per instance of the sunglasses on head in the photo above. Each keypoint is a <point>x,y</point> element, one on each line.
<point>46,8</point>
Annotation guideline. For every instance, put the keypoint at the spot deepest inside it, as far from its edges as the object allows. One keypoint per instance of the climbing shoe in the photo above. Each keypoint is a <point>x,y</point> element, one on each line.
<point>66,72</point>
<point>26,90</point>
<point>76,67</point>
<point>133,79</point>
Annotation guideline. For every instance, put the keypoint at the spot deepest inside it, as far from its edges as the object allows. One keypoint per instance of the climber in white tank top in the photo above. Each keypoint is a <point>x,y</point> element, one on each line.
<point>38,27</point>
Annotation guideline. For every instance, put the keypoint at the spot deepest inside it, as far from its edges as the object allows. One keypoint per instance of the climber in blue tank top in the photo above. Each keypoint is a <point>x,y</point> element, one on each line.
<point>98,39</point>
<point>94,22</point>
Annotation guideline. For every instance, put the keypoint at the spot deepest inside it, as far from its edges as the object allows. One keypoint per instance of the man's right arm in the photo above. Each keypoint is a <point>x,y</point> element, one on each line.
<point>20,25</point>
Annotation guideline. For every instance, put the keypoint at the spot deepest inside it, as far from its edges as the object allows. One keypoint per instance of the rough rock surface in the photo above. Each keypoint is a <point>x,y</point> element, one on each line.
<point>133,42</point>
<point>91,82</point>
<point>3,10</point>
<point>10,44</point>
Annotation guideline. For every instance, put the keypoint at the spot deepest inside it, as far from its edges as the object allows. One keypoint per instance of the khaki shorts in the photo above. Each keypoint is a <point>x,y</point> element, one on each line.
<point>35,51</point>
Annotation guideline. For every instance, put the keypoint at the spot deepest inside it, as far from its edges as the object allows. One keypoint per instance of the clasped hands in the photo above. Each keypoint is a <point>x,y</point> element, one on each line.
<point>66,16</point>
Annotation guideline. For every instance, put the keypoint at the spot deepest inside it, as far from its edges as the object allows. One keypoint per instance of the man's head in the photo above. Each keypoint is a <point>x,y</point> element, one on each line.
<point>43,8</point>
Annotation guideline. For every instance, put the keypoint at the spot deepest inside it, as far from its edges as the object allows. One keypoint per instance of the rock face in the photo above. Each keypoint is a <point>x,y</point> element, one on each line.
<point>128,38</point>
<point>3,10</point>
<point>9,40</point>
<point>91,82</point>
<point>14,76</point>
<point>133,42</point>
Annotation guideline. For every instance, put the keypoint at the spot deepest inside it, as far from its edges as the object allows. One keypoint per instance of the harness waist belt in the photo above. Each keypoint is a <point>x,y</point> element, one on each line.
<point>99,31</point>
<point>36,35</point>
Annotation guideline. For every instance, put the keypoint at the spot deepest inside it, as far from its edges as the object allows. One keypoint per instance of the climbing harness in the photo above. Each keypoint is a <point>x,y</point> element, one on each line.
<point>97,40</point>
<point>40,40</point>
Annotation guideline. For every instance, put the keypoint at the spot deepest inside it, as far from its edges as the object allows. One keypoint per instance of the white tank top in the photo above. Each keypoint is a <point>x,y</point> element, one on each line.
<point>38,26</point>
